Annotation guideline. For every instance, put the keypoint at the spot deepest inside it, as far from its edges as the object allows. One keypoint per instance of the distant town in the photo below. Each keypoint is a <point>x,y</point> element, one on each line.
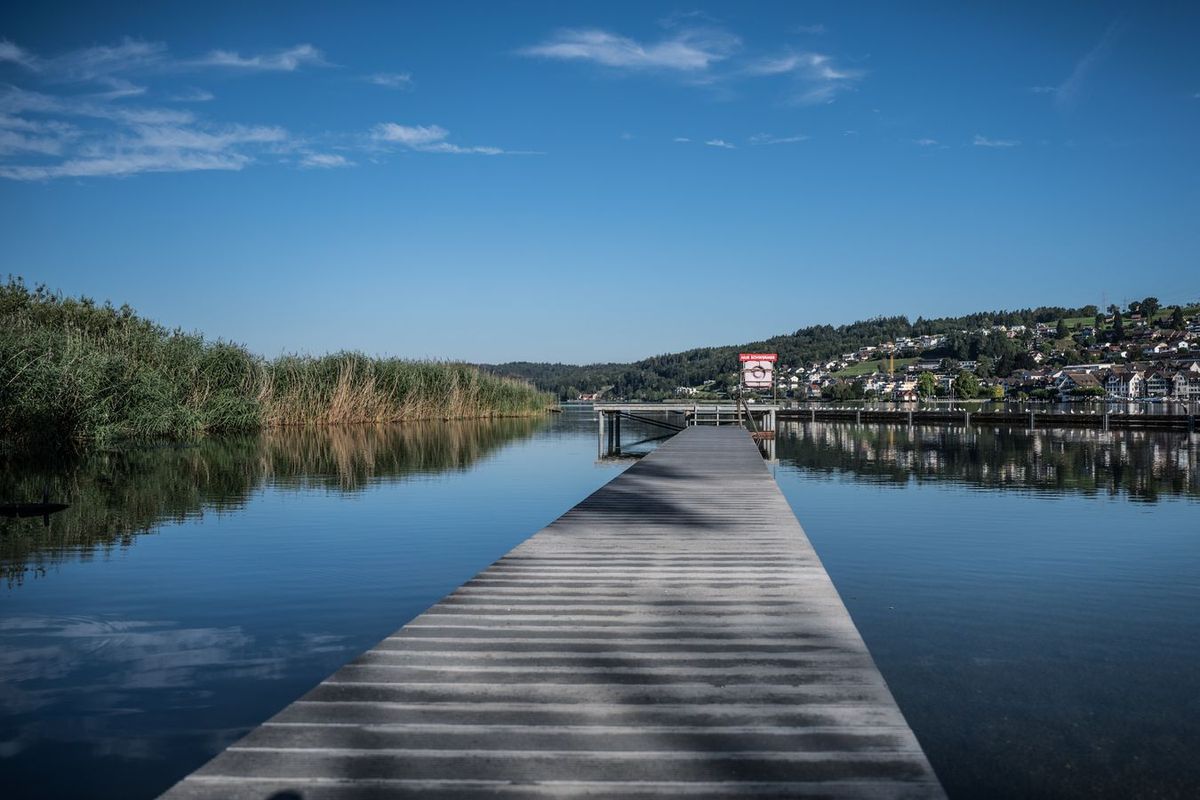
<point>1144,352</point>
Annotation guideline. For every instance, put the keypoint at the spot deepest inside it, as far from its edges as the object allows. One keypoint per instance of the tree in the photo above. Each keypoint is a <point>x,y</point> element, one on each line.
<point>1135,307</point>
<point>1061,331</point>
<point>1114,311</point>
<point>997,392</point>
<point>1150,307</point>
<point>1099,323</point>
<point>966,386</point>
<point>986,367</point>
<point>1118,331</point>
<point>926,384</point>
<point>1177,321</point>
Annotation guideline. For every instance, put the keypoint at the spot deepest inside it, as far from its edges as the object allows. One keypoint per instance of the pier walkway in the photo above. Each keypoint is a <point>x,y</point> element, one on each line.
<point>673,635</point>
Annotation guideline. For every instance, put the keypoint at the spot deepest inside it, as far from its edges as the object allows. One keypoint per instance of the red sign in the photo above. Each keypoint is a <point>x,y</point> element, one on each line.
<point>772,357</point>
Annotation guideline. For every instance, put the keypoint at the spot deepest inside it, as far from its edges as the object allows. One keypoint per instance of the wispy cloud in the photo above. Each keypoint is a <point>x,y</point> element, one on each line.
<point>1066,94</point>
<point>391,80</point>
<point>325,161</point>
<point>79,114</point>
<point>766,138</point>
<point>11,53</point>
<point>429,139</point>
<point>1043,89</point>
<point>721,143</point>
<point>124,164</point>
<point>104,61</point>
<point>818,78</point>
<point>288,60</point>
<point>984,141</point>
<point>192,96</point>
<point>691,50</point>
<point>681,139</point>
<point>60,136</point>
<point>927,142</point>
<point>811,29</point>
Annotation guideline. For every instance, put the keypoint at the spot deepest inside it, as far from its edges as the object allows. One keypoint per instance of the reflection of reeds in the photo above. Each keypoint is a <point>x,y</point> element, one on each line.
<point>117,495</point>
<point>70,369</point>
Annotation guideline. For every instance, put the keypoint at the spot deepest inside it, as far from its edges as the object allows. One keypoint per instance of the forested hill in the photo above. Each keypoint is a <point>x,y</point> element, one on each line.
<point>658,376</point>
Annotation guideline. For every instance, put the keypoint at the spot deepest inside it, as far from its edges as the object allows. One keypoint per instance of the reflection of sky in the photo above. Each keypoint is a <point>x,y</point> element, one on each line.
<point>57,665</point>
<point>1016,630</point>
<point>1041,645</point>
<point>166,650</point>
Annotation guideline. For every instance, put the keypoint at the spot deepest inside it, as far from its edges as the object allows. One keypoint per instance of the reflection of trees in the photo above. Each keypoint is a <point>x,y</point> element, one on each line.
<point>1140,464</point>
<point>116,495</point>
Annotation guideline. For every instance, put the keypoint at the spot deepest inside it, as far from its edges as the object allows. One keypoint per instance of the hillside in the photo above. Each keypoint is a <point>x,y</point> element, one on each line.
<point>658,376</point>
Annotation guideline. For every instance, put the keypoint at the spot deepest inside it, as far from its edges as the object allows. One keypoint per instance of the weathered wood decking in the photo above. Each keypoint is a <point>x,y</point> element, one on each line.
<point>672,635</point>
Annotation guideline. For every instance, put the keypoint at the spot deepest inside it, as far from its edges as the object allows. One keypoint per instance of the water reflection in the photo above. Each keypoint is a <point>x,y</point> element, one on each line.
<point>1139,464</point>
<point>117,495</point>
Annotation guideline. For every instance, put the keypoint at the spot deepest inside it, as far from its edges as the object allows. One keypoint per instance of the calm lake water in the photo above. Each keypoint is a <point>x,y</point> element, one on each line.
<point>1033,599</point>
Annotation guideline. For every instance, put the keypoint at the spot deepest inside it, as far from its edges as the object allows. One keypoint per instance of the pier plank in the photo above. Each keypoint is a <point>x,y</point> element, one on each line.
<point>673,635</point>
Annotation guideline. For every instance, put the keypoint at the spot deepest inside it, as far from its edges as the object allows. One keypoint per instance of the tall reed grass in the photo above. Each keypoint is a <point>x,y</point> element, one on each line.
<point>72,369</point>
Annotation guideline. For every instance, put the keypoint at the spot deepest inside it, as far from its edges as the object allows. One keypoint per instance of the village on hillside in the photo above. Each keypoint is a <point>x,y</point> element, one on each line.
<point>1141,354</point>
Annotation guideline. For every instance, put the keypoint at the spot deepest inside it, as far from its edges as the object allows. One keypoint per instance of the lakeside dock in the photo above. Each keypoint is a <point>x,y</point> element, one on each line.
<point>678,415</point>
<point>673,635</point>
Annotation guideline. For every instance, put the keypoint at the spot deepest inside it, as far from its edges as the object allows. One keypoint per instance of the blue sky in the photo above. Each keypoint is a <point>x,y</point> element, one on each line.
<point>586,181</point>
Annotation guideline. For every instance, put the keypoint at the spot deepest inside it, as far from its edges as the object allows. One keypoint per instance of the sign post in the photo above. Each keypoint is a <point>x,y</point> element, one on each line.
<point>758,372</point>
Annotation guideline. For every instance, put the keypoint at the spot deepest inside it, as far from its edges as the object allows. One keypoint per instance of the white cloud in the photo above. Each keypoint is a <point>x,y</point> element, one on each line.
<point>17,142</point>
<point>163,137</point>
<point>409,135</point>
<point>1043,89</point>
<point>11,53</point>
<point>116,139</point>
<point>818,78</point>
<point>766,138</point>
<point>325,161</point>
<point>391,80</point>
<point>192,96</point>
<point>1068,91</point>
<point>693,50</point>
<point>681,139</point>
<point>721,143</point>
<point>429,139</point>
<point>983,141</point>
<point>814,29</point>
<point>288,60</point>
<point>103,61</point>
<point>925,142</point>
<point>124,164</point>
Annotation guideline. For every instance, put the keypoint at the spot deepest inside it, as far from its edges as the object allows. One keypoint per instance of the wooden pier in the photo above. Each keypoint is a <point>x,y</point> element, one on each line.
<point>683,414</point>
<point>673,635</point>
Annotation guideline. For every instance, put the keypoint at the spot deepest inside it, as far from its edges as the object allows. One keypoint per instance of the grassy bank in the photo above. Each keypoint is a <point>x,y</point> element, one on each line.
<point>74,369</point>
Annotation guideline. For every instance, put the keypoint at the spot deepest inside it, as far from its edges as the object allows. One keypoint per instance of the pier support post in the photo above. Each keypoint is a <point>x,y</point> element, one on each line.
<point>1031,420</point>
<point>599,434</point>
<point>910,419</point>
<point>967,418</point>
<point>814,415</point>
<point>858,417</point>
